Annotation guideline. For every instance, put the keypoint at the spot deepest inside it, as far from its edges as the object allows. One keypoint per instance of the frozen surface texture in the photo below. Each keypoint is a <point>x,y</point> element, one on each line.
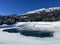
<point>7,38</point>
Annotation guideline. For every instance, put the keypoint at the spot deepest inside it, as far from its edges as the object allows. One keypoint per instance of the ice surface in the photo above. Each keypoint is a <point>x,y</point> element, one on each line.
<point>18,39</point>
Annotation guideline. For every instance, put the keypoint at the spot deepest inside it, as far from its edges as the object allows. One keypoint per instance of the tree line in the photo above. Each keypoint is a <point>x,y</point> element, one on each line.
<point>41,16</point>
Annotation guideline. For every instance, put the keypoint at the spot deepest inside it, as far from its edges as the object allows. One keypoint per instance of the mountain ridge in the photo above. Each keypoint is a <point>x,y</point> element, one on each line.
<point>46,9</point>
<point>40,15</point>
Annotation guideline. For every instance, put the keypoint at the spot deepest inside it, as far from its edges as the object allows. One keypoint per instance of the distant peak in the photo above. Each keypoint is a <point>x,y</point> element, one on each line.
<point>46,9</point>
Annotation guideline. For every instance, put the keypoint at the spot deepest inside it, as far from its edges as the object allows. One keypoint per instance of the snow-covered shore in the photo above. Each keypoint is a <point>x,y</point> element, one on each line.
<point>51,26</point>
<point>34,25</point>
<point>18,39</point>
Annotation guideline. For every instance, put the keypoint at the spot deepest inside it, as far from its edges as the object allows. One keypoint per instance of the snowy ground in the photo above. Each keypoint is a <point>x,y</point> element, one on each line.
<point>18,39</point>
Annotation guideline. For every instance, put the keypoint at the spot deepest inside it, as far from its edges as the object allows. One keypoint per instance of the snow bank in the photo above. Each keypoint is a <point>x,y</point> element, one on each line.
<point>51,26</point>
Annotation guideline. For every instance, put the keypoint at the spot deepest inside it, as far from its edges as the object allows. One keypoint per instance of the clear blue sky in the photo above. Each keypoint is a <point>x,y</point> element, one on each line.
<point>22,6</point>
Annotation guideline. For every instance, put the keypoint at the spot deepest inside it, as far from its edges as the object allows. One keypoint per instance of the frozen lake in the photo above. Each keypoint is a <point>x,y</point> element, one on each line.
<point>7,38</point>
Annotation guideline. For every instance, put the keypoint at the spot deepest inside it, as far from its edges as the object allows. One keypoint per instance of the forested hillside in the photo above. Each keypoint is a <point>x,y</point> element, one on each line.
<point>44,15</point>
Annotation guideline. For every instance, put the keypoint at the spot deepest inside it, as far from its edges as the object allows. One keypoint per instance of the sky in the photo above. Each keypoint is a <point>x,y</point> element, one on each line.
<point>8,7</point>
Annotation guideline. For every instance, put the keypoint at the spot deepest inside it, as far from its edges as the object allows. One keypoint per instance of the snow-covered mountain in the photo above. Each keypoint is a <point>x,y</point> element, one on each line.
<point>44,14</point>
<point>42,9</point>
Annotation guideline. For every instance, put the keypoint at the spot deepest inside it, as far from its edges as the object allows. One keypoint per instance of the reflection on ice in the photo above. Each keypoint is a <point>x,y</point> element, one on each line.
<point>11,30</point>
<point>33,33</point>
